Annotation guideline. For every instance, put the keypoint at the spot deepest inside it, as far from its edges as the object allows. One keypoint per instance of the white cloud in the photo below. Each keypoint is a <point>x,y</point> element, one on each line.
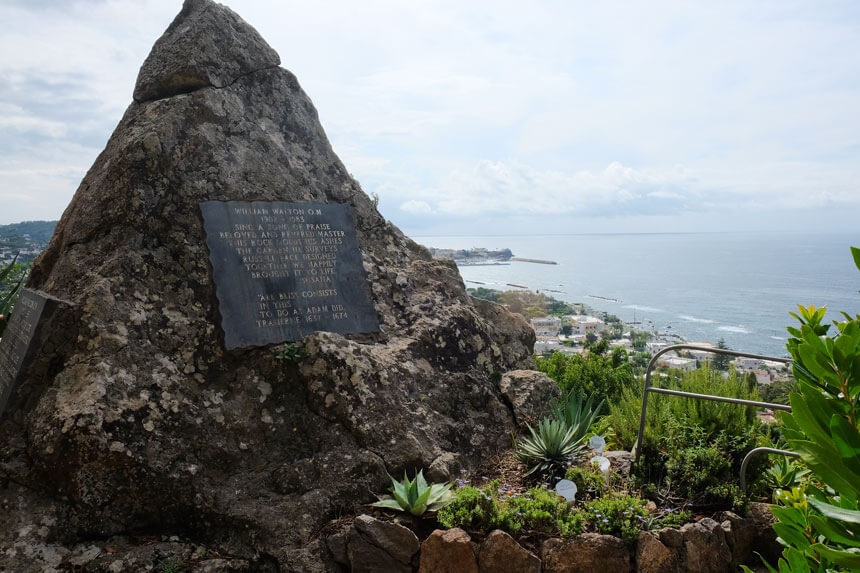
<point>415,207</point>
<point>491,108</point>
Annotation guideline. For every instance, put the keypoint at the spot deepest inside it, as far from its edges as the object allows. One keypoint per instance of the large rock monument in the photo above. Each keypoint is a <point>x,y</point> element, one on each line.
<point>136,430</point>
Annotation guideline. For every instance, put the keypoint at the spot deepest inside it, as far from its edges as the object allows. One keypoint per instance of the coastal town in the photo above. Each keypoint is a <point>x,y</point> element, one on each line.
<point>578,328</point>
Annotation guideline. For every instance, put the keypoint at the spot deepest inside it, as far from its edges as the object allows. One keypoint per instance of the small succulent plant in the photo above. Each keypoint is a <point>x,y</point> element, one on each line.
<point>416,496</point>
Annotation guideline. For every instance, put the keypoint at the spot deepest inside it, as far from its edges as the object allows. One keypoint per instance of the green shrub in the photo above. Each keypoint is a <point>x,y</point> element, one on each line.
<point>692,448</point>
<point>619,516</point>
<point>589,375</point>
<point>485,509</point>
<point>589,481</point>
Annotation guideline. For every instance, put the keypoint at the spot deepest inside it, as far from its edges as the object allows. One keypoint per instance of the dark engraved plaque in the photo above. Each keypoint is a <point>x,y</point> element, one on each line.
<point>15,346</point>
<point>283,270</point>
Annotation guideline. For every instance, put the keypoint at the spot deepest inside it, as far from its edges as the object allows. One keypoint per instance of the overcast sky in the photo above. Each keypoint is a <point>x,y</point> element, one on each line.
<point>492,117</point>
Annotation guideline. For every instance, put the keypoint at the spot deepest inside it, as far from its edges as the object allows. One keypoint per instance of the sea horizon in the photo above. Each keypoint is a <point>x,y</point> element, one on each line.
<point>701,286</point>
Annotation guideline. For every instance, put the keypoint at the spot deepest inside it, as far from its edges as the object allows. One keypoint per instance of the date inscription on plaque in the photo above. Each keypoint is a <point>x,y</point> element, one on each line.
<point>283,270</point>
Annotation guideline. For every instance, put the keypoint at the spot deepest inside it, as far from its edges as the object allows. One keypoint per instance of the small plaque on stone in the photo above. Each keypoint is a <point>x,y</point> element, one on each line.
<point>15,344</point>
<point>283,270</point>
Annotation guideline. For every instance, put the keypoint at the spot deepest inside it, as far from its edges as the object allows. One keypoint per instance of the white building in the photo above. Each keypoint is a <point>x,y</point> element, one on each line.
<point>685,364</point>
<point>585,324</point>
<point>548,326</point>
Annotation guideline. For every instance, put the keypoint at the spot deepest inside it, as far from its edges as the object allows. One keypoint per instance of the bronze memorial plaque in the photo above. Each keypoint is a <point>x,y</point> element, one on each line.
<point>15,345</point>
<point>283,270</point>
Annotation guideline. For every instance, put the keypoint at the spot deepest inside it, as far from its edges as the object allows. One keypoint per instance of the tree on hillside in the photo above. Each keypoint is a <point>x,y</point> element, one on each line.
<point>721,361</point>
<point>639,340</point>
<point>589,375</point>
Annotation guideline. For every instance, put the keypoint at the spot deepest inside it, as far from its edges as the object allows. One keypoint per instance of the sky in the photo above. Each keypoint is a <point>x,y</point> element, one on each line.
<point>494,117</point>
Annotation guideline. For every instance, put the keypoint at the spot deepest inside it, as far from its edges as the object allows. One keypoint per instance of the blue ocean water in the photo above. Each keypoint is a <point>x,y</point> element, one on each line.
<point>700,286</point>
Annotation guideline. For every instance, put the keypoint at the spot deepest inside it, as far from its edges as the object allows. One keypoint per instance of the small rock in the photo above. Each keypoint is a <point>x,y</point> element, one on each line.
<point>621,461</point>
<point>374,545</point>
<point>499,553</point>
<point>706,550</point>
<point>764,537</point>
<point>672,538</point>
<point>587,553</point>
<point>740,534</point>
<point>652,556</point>
<point>529,394</point>
<point>448,551</point>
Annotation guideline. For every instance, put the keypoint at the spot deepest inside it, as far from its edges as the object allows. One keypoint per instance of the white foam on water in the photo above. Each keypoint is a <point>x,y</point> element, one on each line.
<point>689,318</point>
<point>735,329</point>
<point>644,308</point>
<point>778,337</point>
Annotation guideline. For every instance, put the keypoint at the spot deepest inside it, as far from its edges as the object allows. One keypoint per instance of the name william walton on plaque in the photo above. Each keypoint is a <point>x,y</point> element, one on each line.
<point>283,270</point>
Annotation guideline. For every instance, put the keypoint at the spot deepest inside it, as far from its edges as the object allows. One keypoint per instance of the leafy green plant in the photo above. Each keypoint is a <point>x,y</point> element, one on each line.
<point>416,496</point>
<point>560,436</point>
<point>589,375</point>
<point>292,352</point>
<point>820,526</point>
<point>576,413</point>
<point>538,510</point>
<point>619,516</point>
<point>548,448</point>
<point>692,449</point>
<point>785,473</point>
<point>589,481</point>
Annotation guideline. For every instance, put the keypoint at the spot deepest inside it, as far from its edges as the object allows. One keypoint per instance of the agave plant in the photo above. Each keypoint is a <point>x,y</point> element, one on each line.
<point>575,414</point>
<point>558,437</point>
<point>785,473</point>
<point>416,496</point>
<point>548,448</point>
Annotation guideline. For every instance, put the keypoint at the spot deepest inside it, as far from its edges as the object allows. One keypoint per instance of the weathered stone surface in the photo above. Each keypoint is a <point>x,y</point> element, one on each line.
<point>652,556</point>
<point>499,553</point>
<point>448,551</point>
<point>764,539</point>
<point>206,45</point>
<point>140,420</point>
<point>620,461</point>
<point>585,554</point>
<point>740,533</point>
<point>705,547</point>
<point>671,538</point>
<point>530,393</point>
<point>394,539</point>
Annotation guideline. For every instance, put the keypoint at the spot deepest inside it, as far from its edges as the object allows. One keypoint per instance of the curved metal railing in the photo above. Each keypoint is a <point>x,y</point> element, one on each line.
<point>648,389</point>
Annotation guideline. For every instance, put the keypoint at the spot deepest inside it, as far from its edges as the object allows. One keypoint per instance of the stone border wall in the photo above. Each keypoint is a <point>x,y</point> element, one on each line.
<point>707,546</point>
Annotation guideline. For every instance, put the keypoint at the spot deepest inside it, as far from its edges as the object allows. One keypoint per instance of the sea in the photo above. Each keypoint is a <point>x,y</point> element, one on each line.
<point>701,287</point>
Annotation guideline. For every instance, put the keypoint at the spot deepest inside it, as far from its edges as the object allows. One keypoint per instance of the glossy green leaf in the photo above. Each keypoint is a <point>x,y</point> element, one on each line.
<point>387,503</point>
<point>796,562</point>
<point>836,512</point>
<point>841,558</point>
<point>828,467</point>
<point>789,515</point>
<point>834,531</point>
<point>791,535</point>
<point>806,419</point>
<point>855,252</point>
<point>846,439</point>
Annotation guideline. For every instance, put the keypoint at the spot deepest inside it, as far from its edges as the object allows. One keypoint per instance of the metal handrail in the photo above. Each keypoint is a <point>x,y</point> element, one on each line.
<point>754,451</point>
<point>712,350</point>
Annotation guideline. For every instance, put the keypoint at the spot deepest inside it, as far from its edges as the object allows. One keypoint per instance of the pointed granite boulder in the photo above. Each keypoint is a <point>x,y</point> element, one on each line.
<point>138,421</point>
<point>206,45</point>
